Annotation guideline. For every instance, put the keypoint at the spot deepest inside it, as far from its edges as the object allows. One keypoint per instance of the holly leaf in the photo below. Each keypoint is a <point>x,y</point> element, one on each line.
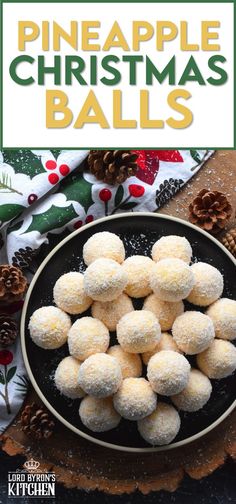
<point>2,379</point>
<point>11,373</point>
<point>129,205</point>
<point>24,161</point>
<point>195,155</point>
<point>9,211</point>
<point>76,188</point>
<point>119,195</point>
<point>53,218</point>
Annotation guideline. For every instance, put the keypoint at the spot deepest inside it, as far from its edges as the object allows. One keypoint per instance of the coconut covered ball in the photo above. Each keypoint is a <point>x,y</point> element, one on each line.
<point>171,279</point>
<point>193,332</point>
<point>208,284</point>
<point>168,372</point>
<point>86,337</point>
<point>219,360</point>
<point>66,378</point>
<point>111,312</point>
<point>161,427</point>
<point>131,364</point>
<point>223,316</point>
<point>196,394</point>
<point>98,415</point>
<point>166,343</point>
<point>138,331</point>
<point>69,293</point>
<point>104,244</point>
<point>104,280</point>
<point>100,375</point>
<point>135,399</point>
<point>172,246</point>
<point>165,311</point>
<point>138,269</point>
<point>49,327</point>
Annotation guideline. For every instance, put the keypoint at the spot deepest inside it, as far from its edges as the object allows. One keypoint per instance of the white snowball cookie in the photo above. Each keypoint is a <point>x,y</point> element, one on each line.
<point>49,327</point>
<point>168,372</point>
<point>208,284</point>
<point>111,312</point>
<point>172,246</point>
<point>100,375</point>
<point>66,378</point>
<point>135,399</point>
<point>87,336</point>
<point>138,269</point>
<point>69,293</point>
<point>171,279</point>
<point>131,364</point>
<point>104,244</point>
<point>104,280</point>
<point>196,393</point>
<point>161,427</point>
<point>219,360</point>
<point>166,343</point>
<point>138,331</point>
<point>193,332</point>
<point>223,316</point>
<point>98,415</point>
<point>165,311</point>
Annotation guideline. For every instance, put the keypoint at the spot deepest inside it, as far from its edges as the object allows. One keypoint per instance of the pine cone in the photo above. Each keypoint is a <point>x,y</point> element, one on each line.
<point>210,210</point>
<point>113,167</point>
<point>229,241</point>
<point>8,331</point>
<point>37,422</point>
<point>13,284</point>
<point>23,257</point>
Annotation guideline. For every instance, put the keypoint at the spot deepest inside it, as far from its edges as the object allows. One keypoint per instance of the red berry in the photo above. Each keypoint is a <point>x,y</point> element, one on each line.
<point>64,170</point>
<point>78,224</point>
<point>51,165</point>
<point>53,178</point>
<point>105,195</point>
<point>32,198</point>
<point>136,190</point>
<point>6,357</point>
<point>89,218</point>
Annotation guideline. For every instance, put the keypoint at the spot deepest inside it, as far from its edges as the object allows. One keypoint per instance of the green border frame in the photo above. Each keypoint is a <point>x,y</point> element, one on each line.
<point>117,1</point>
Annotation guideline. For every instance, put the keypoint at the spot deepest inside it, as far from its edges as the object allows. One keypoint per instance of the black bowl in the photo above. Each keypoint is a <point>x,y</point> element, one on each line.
<point>138,231</point>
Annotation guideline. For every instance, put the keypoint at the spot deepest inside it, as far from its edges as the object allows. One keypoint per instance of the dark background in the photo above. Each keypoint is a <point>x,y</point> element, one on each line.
<point>219,488</point>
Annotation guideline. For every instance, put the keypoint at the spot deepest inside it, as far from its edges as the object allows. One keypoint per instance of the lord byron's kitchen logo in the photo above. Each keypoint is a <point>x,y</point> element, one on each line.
<point>31,481</point>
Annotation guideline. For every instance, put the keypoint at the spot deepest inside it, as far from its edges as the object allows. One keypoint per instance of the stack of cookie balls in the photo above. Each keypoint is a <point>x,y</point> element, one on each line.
<point>146,376</point>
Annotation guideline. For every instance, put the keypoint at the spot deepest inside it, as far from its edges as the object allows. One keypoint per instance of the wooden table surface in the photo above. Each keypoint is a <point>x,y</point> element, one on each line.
<point>81,464</point>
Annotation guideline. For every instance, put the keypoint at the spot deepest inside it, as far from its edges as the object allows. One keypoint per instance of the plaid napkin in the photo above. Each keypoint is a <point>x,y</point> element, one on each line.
<point>44,194</point>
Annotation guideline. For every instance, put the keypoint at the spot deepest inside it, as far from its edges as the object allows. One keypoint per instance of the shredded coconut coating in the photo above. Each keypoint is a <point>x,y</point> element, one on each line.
<point>166,343</point>
<point>171,279</point>
<point>104,280</point>
<point>193,332</point>
<point>66,378</point>
<point>196,393</point>
<point>69,293</point>
<point>138,269</point>
<point>104,244</point>
<point>135,399</point>
<point>98,415</point>
<point>172,246</point>
<point>168,372</point>
<point>111,312</point>
<point>138,331</point>
<point>208,284</point>
<point>86,337</point>
<point>223,316</point>
<point>165,311</point>
<point>49,327</point>
<point>219,360</point>
<point>100,375</point>
<point>161,427</point>
<point>131,364</point>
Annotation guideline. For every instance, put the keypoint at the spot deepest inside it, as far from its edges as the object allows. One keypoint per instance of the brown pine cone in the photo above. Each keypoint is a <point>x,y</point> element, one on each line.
<point>113,167</point>
<point>37,422</point>
<point>13,284</point>
<point>210,210</point>
<point>229,241</point>
<point>23,257</point>
<point>8,331</point>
